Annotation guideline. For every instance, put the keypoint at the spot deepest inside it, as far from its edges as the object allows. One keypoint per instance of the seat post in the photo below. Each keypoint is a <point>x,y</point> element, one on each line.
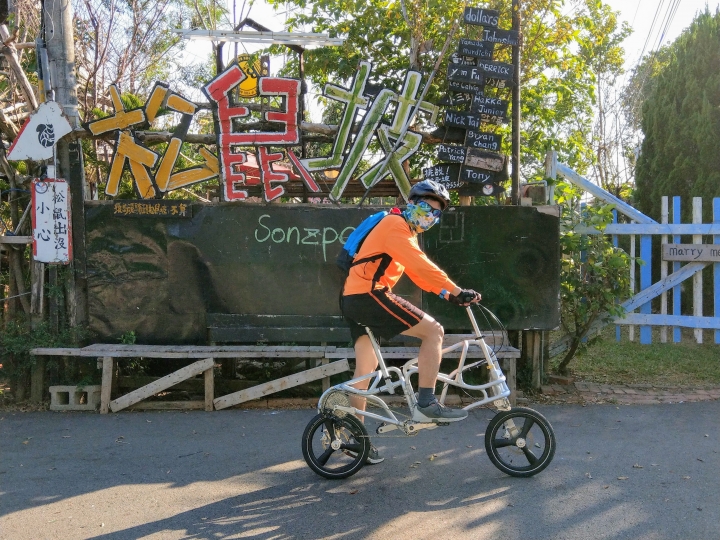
<point>378,354</point>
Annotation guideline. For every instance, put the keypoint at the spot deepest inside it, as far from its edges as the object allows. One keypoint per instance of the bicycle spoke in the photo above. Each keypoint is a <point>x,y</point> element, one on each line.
<point>529,455</point>
<point>353,447</point>
<point>502,443</point>
<point>527,426</point>
<point>323,459</point>
<point>330,428</point>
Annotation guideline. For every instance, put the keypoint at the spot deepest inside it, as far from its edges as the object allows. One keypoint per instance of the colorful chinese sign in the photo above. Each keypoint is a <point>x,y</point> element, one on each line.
<point>51,223</point>
<point>265,159</point>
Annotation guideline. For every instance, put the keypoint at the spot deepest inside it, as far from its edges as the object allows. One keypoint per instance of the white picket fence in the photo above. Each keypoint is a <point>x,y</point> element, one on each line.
<point>638,307</point>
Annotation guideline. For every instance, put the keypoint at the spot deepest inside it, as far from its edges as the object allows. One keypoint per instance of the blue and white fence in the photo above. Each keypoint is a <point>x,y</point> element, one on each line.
<point>638,307</point>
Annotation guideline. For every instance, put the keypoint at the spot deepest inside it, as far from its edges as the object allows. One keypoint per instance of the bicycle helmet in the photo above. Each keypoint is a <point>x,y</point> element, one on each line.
<point>431,189</point>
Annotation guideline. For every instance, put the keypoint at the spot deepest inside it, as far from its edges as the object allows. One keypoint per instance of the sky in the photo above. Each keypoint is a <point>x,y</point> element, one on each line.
<point>654,23</point>
<point>640,14</point>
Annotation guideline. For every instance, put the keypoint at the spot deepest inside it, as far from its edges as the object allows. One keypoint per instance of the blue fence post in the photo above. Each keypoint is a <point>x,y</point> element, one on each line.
<point>645,282</point>
<point>716,266</point>
<point>677,333</point>
<point>618,334</point>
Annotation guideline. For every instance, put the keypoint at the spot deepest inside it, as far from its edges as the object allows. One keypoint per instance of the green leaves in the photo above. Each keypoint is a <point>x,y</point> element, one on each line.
<point>679,88</point>
<point>594,275</point>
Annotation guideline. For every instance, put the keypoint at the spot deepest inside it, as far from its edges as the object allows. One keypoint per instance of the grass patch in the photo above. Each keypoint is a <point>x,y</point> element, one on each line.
<point>607,361</point>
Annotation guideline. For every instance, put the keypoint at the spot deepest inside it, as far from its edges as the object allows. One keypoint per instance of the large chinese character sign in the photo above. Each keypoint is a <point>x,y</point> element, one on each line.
<point>51,224</point>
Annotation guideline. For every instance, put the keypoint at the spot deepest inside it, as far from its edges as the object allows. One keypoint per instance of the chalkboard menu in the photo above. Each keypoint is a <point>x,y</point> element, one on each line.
<point>163,277</point>
<point>475,104</point>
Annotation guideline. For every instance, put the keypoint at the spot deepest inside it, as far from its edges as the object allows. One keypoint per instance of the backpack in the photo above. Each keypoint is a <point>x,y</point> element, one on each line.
<point>352,246</point>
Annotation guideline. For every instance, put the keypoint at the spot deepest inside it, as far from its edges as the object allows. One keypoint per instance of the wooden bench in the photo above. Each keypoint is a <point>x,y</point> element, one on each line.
<point>331,359</point>
<point>109,353</point>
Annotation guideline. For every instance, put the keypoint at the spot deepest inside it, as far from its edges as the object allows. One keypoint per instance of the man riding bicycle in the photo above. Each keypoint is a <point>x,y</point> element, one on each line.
<point>390,250</point>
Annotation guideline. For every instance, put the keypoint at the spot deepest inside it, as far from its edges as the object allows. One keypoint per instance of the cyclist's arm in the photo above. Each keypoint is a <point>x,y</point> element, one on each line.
<point>421,270</point>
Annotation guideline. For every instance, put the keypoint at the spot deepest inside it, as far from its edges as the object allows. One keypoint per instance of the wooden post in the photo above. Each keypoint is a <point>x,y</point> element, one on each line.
<point>645,282</point>
<point>53,317</point>
<point>37,380</point>
<point>105,390</point>
<point>663,268</point>
<point>716,266</point>
<point>209,388</point>
<point>618,328</point>
<point>534,338</point>
<point>677,304</point>
<point>631,328</point>
<point>697,278</point>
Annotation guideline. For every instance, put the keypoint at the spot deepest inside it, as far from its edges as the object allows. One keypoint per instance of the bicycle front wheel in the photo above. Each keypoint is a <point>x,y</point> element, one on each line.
<point>520,442</point>
<point>335,447</point>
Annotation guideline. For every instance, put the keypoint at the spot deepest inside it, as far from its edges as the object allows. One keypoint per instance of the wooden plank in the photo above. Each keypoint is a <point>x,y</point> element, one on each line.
<point>658,228</point>
<point>697,278</point>
<point>691,252</point>
<point>56,351</point>
<point>686,321</point>
<point>173,351</point>
<point>168,405</point>
<point>392,353</point>
<point>106,389</point>
<point>161,384</point>
<point>16,239</point>
<point>284,383</point>
<point>600,193</point>
<point>209,388</point>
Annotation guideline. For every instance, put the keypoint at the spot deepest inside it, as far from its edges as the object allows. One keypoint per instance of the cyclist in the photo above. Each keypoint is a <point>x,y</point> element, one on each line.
<point>390,250</point>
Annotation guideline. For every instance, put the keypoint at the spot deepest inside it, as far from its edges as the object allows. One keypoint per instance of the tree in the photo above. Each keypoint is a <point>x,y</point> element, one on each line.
<point>563,50</point>
<point>681,121</point>
<point>594,274</point>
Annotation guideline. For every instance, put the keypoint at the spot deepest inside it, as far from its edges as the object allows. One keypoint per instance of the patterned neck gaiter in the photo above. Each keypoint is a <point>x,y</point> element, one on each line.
<point>419,216</point>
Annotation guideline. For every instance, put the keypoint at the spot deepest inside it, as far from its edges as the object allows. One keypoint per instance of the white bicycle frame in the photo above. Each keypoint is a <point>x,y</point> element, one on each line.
<point>495,391</point>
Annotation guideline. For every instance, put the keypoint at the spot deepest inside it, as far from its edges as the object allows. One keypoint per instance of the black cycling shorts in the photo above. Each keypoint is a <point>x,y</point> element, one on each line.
<point>385,313</point>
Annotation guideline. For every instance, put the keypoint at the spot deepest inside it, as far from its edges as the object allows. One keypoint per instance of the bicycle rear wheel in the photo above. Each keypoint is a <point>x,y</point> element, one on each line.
<point>520,442</point>
<point>335,447</point>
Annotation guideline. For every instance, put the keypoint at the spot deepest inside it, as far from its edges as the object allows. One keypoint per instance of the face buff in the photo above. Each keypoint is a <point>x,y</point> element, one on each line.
<point>420,216</point>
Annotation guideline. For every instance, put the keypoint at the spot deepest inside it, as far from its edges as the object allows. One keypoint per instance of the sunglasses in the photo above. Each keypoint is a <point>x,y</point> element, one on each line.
<point>429,209</point>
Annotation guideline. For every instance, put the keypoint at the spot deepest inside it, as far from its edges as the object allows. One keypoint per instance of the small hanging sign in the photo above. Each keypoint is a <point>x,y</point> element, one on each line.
<point>51,223</point>
<point>37,138</point>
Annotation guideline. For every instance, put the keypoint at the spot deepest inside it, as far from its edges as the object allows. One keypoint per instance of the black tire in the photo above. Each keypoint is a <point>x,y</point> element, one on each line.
<point>517,455</point>
<point>335,463</point>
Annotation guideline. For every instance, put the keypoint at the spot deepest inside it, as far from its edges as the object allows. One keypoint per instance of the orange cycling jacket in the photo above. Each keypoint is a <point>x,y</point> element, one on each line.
<point>393,237</point>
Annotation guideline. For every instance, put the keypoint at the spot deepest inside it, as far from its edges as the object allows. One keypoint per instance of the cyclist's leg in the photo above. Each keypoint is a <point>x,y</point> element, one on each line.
<point>365,362</point>
<point>431,333</point>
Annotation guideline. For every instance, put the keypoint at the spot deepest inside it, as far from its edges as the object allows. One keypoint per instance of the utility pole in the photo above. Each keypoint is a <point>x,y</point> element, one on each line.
<point>60,82</point>
<point>515,190</point>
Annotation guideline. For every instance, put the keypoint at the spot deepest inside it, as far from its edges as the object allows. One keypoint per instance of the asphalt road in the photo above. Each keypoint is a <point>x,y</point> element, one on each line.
<point>240,474</point>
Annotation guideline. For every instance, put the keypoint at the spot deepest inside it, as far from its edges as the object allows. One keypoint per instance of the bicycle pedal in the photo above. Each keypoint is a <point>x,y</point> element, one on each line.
<point>443,423</point>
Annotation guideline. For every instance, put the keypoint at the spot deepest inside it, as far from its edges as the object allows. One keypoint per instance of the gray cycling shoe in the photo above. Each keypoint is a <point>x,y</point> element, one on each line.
<point>435,412</point>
